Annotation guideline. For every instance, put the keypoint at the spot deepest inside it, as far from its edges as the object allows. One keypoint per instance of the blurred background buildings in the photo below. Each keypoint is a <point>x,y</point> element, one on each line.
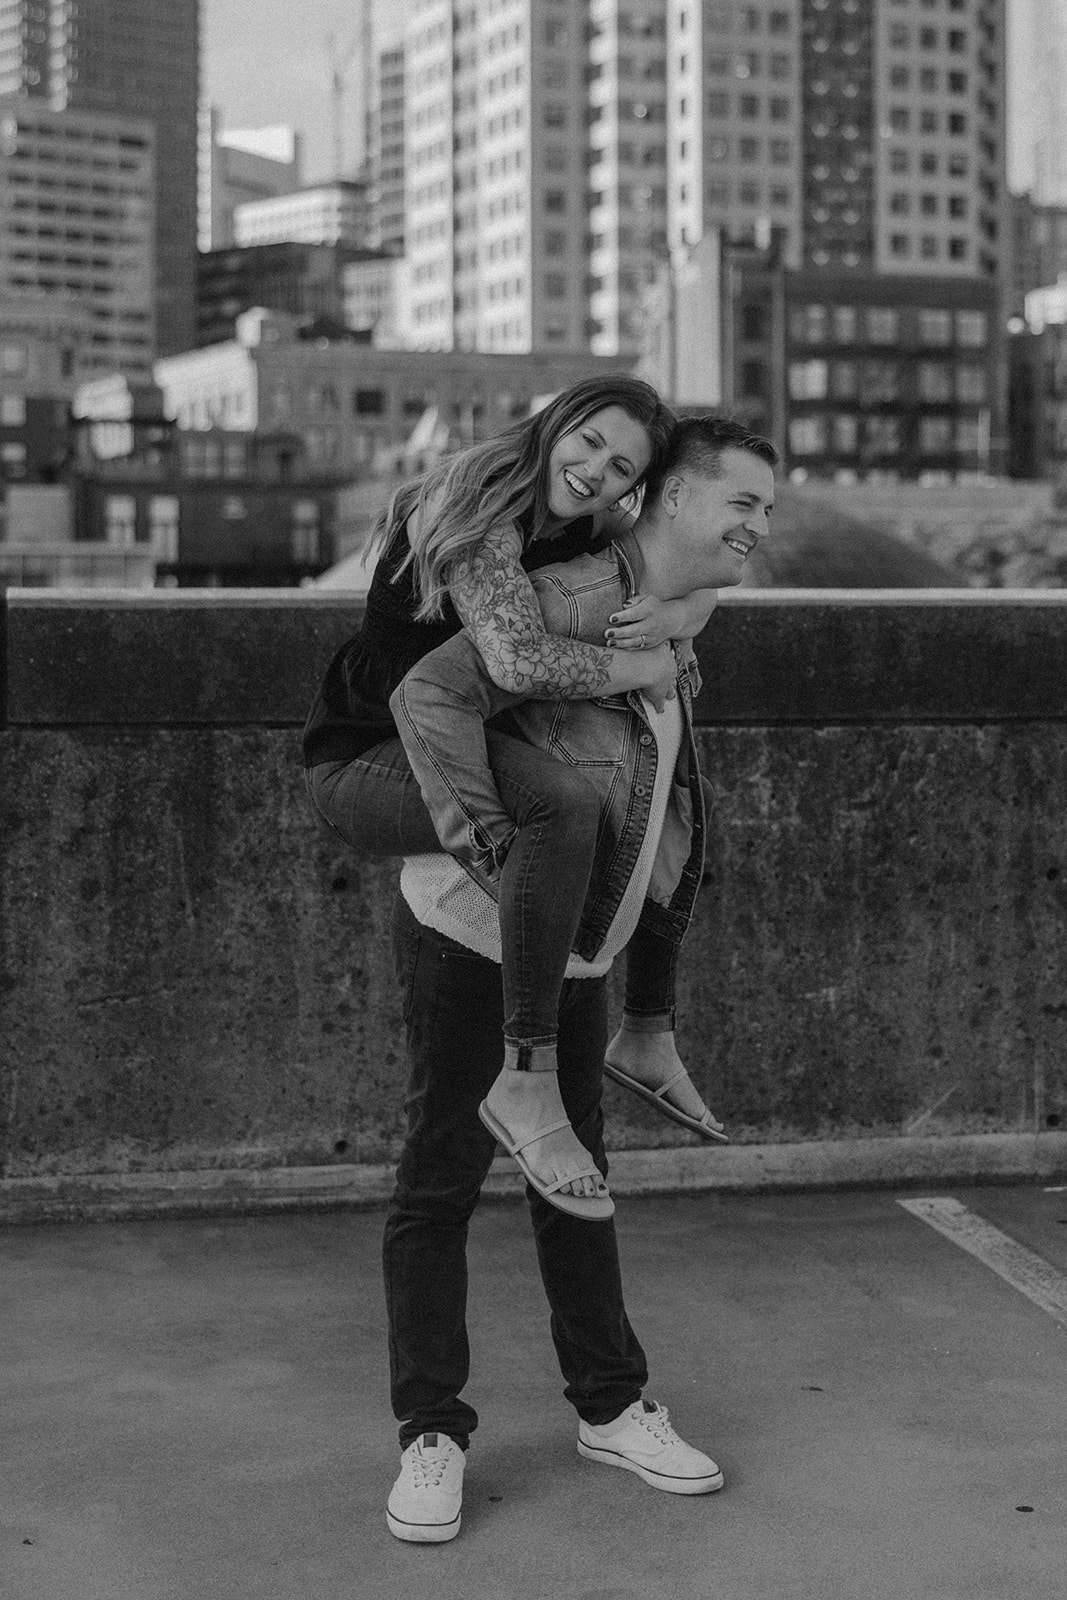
<point>794,210</point>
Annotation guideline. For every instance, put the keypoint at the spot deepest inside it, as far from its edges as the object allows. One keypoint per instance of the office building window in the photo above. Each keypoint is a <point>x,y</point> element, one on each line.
<point>935,327</point>
<point>843,375</point>
<point>807,324</point>
<point>846,433</point>
<point>971,437</point>
<point>971,385</point>
<point>807,436</point>
<point>369,402</point>
<point>845,324</point>
<point>935,381</point>
<point>883,436</point>
<point>304,533</point>
<point>163,520</point>
<point>880,382</point>
<point>120,520</point>
<point>972,329</point>
<point>935,436</point>
<point>12,410</point>
<point>808,380</point>
<point>753,322</point>
<point>883,325</point>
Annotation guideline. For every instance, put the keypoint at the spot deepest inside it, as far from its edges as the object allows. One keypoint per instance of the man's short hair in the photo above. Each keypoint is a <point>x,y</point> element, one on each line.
<point>697,444</point>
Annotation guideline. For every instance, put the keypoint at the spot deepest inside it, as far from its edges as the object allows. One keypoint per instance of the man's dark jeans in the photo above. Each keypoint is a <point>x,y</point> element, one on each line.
<point>453,1008</point>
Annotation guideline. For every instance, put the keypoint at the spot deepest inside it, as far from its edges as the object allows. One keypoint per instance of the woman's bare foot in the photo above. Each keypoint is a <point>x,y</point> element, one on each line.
<point>522,1102</point>
<point>652,1058</point>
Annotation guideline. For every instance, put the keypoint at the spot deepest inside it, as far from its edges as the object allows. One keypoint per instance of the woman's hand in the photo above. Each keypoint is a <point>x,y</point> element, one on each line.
<point>663,675</point>
<point>645,622</point>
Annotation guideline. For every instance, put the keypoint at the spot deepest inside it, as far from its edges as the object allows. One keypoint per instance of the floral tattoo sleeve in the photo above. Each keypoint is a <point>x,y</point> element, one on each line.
<point>495,601</point>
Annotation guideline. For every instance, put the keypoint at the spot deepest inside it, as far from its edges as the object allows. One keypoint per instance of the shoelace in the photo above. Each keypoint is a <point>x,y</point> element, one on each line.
<point>658,1425</point>
<point>428,1470</point>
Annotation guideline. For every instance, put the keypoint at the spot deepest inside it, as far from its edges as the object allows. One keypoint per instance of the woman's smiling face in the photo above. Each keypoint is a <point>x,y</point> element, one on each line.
<point>596,463</point>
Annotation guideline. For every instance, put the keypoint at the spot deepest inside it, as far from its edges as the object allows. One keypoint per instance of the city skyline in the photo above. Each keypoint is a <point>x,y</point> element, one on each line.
<point>244,38</point>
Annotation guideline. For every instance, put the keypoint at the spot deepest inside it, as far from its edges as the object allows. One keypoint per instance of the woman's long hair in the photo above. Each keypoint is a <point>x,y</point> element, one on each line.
<point>505,479</point>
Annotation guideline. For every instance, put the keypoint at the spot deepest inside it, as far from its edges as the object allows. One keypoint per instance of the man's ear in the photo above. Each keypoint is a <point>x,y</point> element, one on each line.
<point>672,496</point>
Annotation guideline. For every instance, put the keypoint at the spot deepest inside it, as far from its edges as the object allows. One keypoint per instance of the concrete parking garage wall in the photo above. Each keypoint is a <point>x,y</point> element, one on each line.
<point>198,1006</point>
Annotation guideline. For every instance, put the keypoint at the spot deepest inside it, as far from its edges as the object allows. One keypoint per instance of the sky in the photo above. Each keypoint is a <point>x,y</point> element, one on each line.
<point>266,61</point>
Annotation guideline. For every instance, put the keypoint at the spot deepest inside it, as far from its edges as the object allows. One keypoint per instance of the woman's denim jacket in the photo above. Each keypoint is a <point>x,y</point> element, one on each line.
<point>440,708</point>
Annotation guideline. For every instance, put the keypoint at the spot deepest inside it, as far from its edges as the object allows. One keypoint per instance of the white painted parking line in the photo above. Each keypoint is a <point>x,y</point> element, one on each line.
<point>1033,1276</point>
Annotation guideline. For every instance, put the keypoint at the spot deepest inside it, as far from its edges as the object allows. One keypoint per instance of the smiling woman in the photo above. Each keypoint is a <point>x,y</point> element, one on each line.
<point>595,465</point>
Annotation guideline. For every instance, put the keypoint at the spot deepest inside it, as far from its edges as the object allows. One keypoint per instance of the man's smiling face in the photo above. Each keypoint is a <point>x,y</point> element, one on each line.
<point>715,522</point>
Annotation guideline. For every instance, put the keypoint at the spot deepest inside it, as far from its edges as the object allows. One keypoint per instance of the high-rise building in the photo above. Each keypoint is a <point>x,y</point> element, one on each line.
<point>734,128</point>
<point>555,151</point>
<point>77,222</point>
<point>626,165</point>
<point>496,224</point>
<point>134,58</point>
<point>869,133</point>
<point>385,149</point>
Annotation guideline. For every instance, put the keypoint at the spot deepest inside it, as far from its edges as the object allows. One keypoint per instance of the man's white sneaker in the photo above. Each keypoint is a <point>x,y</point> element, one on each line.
<point>424,1503</point>
<point>643,1441</point>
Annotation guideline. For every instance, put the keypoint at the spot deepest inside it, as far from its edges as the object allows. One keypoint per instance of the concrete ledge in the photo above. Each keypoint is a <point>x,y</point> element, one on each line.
<point>209,658</point>
<point>738,1169</point>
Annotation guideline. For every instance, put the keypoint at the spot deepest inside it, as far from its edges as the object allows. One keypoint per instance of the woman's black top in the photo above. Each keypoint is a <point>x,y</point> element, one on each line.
<point>350,713</point>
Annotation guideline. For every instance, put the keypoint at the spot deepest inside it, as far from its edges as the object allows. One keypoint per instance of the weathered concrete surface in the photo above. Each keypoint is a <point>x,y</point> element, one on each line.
<point>197,975</point>
<point>201,1409</point>
<point>227,658</point>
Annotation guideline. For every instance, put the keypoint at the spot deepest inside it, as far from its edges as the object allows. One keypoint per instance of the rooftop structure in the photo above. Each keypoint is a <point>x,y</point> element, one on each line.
<point>323,213</point>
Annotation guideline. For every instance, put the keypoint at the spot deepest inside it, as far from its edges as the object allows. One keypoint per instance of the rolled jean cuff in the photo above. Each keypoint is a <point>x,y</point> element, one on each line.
<point>648,1021</point>
<point>488,854</point>
<point>531,1055</point>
